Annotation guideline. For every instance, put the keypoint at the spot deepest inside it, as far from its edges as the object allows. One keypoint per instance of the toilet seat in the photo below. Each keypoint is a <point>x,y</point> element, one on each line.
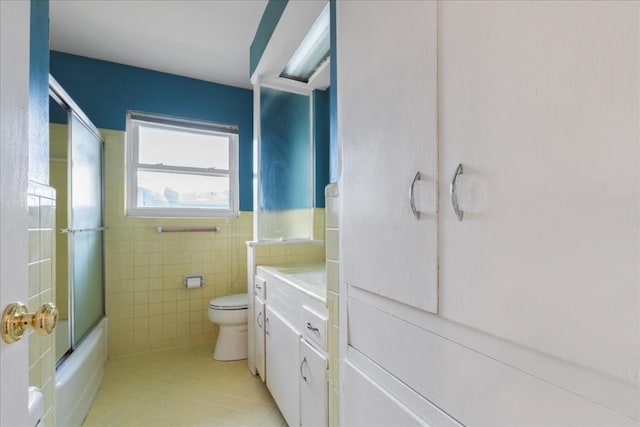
<point>230,302</point>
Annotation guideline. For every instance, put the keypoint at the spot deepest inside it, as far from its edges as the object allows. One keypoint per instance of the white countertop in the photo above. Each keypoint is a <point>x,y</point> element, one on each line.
<point>309,278</point>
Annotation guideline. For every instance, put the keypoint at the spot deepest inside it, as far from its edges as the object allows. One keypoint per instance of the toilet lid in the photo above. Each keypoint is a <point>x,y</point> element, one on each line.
<point>230,302</point>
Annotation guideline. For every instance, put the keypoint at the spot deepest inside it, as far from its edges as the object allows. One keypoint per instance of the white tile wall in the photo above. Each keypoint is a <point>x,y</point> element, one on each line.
<point>333,299</point>
<point>41,202</point>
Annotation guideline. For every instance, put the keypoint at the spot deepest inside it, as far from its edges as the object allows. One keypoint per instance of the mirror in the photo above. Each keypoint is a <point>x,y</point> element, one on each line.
<point>286,157</point>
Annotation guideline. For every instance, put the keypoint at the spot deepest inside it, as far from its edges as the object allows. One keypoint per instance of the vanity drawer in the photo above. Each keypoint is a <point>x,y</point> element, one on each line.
<point>260,286</point>
<point>314,327</point>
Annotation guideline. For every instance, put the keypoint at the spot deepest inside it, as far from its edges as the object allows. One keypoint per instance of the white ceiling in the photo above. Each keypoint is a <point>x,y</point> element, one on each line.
<point>203,39</point>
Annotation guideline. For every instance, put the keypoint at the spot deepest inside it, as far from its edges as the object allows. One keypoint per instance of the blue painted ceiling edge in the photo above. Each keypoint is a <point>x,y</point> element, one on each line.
<point>267,26</point>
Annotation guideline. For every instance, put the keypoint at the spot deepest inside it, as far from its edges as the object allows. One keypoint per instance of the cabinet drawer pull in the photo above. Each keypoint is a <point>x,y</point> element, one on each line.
<point>259,319</point>
<point>412,200</point>
<point>304,377</point>
<point>312,328</point>
<point>258,286</point>
<point>453,191</point>
<point>266,325</point>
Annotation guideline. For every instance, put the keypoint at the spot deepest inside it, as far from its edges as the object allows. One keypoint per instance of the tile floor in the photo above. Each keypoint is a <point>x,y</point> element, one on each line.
<point>184,387</point>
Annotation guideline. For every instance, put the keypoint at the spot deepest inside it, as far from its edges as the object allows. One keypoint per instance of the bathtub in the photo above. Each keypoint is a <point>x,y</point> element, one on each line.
<point>79,376</point>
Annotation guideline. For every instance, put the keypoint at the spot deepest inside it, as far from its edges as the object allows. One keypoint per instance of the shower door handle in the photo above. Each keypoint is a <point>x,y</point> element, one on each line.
<point>81,230</point>
<point>16,320</point>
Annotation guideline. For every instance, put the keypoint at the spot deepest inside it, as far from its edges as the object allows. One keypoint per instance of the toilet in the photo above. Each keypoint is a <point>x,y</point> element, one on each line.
<point>230,314</point>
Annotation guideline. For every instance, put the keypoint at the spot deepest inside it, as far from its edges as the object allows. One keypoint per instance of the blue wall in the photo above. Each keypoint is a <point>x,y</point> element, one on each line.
<point>106,90</point>
<point>321,135</point>
<point>39,92</point>
<point>285,150</point>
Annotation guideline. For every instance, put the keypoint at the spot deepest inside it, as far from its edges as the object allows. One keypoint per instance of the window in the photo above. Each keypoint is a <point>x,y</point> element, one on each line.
<point>180,167</point>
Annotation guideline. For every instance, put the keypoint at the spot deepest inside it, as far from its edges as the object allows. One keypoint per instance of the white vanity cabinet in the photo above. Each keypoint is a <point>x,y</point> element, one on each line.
<point>295,327</point>
<point>282,361</point>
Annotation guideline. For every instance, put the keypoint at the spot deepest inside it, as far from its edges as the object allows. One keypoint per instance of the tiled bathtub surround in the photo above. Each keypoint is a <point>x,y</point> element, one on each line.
<point>146,300</point>
<point>41,202</point>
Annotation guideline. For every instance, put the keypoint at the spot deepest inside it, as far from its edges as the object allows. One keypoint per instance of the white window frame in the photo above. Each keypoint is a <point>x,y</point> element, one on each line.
<point>134,119</point>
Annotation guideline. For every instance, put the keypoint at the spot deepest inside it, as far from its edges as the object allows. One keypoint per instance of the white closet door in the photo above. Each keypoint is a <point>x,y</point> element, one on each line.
<point>386,70</point>
<point>539,102</point>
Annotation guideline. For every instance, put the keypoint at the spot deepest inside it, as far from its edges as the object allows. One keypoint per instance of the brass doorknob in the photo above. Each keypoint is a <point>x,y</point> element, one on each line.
<point>16,321</point>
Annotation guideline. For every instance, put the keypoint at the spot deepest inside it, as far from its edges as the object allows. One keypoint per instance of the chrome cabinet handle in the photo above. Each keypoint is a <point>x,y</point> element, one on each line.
<point>311,328</point>
<point>258,286</point>
<point>258,319</point>
<point>266,326</point>
<point>453,191</point>
<point>304,377</point>
<point>412,200</point>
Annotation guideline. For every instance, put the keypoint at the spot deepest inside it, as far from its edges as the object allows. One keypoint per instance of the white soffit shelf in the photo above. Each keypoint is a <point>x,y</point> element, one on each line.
<point>293,26</point>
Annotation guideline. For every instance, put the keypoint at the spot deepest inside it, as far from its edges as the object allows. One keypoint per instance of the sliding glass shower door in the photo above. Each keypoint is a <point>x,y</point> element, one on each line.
<point>86,227</point>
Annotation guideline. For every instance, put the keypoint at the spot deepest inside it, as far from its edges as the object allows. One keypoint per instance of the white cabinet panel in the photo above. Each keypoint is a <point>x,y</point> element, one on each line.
<point>539,102</point>
<point>259,337</point>
<point>313,387</point>
<point>388,130</point>
<point>282,365</point>
<point>474,388</point>
<point>369,405</point>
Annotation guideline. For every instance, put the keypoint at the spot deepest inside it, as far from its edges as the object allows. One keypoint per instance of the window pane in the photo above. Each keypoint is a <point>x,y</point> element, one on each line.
<point>174,147</point>
<point>169,190</point>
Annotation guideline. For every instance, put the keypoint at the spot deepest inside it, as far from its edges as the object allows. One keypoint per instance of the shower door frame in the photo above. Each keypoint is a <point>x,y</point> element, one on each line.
<point>57,92</point>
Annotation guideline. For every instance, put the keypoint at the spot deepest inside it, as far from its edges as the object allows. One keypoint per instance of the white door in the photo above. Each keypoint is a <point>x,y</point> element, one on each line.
<point>14,108</point>
<point>387,108</point>
<point>539,103</point>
